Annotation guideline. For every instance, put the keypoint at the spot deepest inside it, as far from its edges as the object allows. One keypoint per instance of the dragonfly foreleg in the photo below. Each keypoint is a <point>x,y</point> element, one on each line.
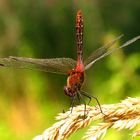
<point>72,103</point>
<point>78,97</point>
<point>79,94</point>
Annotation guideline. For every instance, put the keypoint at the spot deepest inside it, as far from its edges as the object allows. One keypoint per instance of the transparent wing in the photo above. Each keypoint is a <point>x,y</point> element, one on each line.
<point>106,50</point>
<point>54,65</point>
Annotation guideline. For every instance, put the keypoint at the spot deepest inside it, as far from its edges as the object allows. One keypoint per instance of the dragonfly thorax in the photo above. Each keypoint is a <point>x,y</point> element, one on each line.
<point>74,83</point>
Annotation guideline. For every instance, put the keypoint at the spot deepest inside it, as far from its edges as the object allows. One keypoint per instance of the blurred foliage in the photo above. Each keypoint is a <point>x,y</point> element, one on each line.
<point>29,100</point>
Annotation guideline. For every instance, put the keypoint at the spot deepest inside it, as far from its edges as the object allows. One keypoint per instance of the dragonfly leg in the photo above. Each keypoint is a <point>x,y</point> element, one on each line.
<point>86,95</point>
<point>78,97</point>
<point>72,103</point>
<point>91,96</point>
<point>79,94</point>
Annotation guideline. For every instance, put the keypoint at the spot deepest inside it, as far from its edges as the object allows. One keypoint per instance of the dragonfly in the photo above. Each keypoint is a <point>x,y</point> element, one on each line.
<point>75,69</point>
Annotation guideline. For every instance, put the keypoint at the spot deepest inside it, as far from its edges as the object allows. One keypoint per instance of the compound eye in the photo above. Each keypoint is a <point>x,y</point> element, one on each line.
<point>66,91</point>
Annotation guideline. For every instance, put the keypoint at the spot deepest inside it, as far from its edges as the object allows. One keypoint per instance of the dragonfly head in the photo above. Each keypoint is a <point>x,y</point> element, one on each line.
<point>68,91</point>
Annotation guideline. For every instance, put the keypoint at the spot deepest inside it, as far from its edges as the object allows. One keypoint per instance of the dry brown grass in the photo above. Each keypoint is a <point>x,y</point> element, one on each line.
<point>124,115</point>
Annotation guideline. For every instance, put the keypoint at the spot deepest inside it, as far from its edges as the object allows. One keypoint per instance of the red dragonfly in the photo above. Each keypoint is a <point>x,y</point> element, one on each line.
<point>74,69</point>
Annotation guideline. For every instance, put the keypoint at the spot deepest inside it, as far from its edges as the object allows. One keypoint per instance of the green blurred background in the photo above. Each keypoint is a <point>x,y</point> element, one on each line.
<point>29,100</point>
